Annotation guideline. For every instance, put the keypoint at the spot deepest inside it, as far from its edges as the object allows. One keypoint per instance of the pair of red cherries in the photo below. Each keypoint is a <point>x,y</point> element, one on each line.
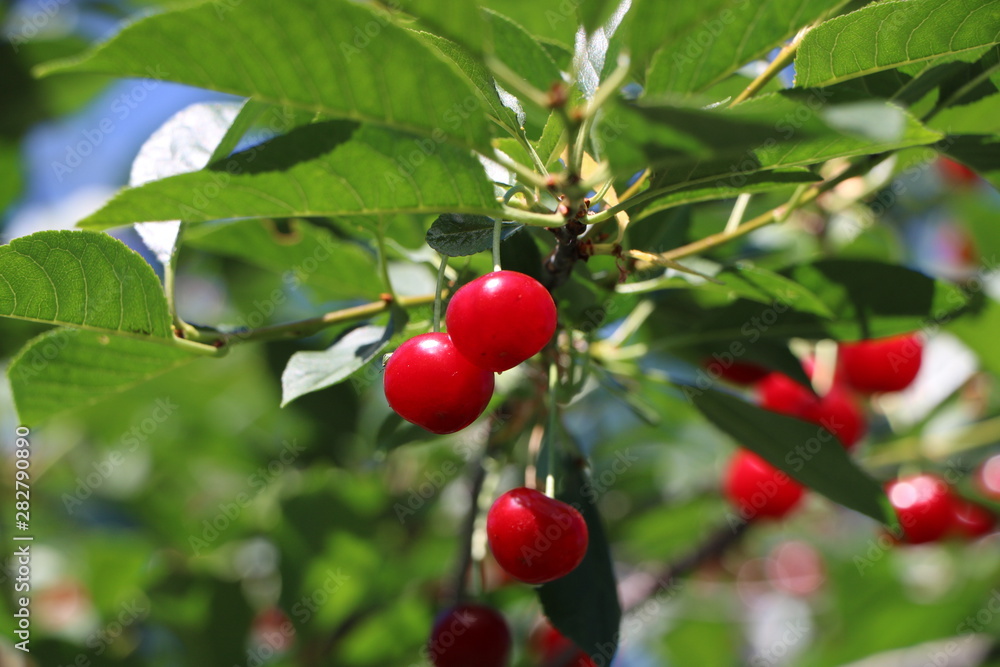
<point>443,381</point>
<point>474,634</point>
<point>536,539</point>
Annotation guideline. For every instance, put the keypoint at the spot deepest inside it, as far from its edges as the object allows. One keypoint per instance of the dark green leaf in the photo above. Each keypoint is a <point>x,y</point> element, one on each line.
<point>583,605</point>
<point>339,58</point>
<point>84,279</point>
<point>808,453</point>
<point>906,300</point>
<point>457,235</point>
<point>330,169</point>
<point>337,269</point>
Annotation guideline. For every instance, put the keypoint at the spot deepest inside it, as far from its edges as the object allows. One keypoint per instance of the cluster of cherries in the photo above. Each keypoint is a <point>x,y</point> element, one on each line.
<point>927,508</point>
<point>443,381</point>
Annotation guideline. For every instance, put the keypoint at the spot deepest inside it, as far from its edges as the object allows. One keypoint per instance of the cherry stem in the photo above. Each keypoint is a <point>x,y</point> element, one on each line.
<point>465,562</point>
<point>383,265</point>
<point>497,226</point>
<point>780,62</point>
<point>550,436</point>
<point>715,545</point>
<point>439,291</point>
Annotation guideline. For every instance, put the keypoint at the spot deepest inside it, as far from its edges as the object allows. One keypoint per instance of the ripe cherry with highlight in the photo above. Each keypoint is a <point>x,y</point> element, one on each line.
<point>470,634</point>
<point>924,505</point>
<point>501,319</point>
<point>429,383</point>
<point>535,538</point>
<point>756,488</point>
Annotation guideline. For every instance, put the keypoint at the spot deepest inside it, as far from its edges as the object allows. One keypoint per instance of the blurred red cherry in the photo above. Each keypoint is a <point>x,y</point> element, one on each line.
<point>756,488</point>
<point>924,506</point>
<point>956,173</point>
<point>971,520</point>
<point>553,649</point>
<point>881,365</point>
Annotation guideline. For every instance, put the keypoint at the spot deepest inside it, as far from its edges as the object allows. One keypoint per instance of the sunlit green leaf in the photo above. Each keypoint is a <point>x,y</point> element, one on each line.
<point>84,279</point>
<point>333,169</point>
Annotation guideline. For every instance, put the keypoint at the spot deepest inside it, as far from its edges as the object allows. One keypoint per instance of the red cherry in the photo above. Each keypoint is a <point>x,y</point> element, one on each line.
<point>469,634</point>
<point>429,383</point>
<point>780,393</point>
<point>556,650</point>
<point>923,504</point>
<point>737,372</point>
<point>756,488</point>
<point>971,520</point>
<point>884,364</point>
<point>837,411</point>
<point>956,173</point>
<point>535,538</point>
<point>501,319</point>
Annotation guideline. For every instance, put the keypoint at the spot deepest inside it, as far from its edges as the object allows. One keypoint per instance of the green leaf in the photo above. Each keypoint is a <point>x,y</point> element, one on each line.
<point>83,279</point>
<point>903,301</point>
<point>759,284</point>
<point>521,52</point>
<point>793,129</point>
<point>465,23</point>
<point>721,189</point>
<point>727,36</point>
<point>305,253</point>
<point>584,605</point>
<point>331,169</point>
<point>480,78</point>
<point>594,13</point>
<point>66,369</point>
<point>808,453</point>
<point>949,79</point>
<point>978,330</point>
<point>979,117</point>
<point>553,140</point>
<point>307,372</point>
<point>338,58</point>
<point>461,235</point>
<point>887,35</point>
<point>10,166</point>
<point>872,299</point>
